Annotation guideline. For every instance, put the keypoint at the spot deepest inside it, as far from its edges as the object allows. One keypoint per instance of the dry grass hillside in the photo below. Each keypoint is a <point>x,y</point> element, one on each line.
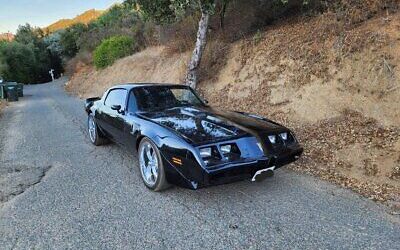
<point>150,65</point>
<point>84,18</point>
<point>7,37</point>
<point>337,87</point>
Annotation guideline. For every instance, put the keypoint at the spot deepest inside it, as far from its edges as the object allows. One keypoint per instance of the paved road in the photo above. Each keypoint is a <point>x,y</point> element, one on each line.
<point>70,194</point>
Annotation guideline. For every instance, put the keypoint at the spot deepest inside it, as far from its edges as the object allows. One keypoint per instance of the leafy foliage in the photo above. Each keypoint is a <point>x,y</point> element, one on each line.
<point>53,43</point>
<point>158,10</point>
<point>121,19</point>
<point>118,20</point>
<point>27,59</point>
<point>17,60</point>
<point>167,11</point>
<point>69,40</point>
<point>112,49</point>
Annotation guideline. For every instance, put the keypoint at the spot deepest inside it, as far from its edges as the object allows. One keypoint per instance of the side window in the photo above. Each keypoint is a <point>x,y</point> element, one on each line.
<point>116,97</point>
<point>132,105</point>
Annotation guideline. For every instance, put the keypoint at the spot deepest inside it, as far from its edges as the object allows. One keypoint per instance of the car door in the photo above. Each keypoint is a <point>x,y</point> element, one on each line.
<point>131,124</point>
<point>112,119</point>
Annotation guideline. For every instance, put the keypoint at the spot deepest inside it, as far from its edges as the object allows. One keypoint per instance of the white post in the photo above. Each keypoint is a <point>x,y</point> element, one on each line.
<point>51,72</point>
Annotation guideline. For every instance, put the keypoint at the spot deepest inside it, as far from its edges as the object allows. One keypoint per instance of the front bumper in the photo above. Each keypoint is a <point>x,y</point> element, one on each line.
<point>197,177</point>
<point>243,171</point>
<point>234,173</point>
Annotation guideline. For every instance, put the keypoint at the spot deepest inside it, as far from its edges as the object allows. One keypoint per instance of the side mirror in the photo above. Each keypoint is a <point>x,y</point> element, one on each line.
<point>116,107</point>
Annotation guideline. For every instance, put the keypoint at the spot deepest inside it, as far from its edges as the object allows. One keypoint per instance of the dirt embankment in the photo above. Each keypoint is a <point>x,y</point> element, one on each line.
<point>338,88</point>
<point>2,105</point>
<point>150,65</point>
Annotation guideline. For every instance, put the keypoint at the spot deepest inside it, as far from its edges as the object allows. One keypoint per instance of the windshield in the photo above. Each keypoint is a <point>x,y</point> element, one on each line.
<point>163,97</point>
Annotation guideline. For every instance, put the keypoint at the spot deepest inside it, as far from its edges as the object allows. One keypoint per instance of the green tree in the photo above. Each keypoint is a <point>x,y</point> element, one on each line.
<point>44,59</point>
<point>3,64</point>
<point>53,44</point>
<point>69,39</point>
<point>112,16</point>
<point>17,60</point>
<point>118,20</point>
<point>163,11</point>
<point>54,49</point>
<point>28,58</point>
<point>169,10</point>
<point>26,34</point>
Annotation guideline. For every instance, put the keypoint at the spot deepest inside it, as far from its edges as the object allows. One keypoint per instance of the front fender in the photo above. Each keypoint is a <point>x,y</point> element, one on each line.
<point>170,145</point>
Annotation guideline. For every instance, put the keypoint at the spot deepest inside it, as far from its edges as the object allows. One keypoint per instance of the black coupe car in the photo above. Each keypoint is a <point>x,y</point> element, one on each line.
<point>181,140</point>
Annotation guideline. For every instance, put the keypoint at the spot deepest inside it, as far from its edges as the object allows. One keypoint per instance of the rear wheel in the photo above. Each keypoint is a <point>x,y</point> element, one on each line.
<point>94,133</point>
<point>151,167</point>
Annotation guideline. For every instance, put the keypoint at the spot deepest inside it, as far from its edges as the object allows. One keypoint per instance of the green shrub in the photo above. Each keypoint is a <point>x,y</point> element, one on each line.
<point>112,49</point>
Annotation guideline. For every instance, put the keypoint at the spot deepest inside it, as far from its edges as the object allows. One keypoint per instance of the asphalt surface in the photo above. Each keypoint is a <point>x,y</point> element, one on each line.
<point>82,196</point>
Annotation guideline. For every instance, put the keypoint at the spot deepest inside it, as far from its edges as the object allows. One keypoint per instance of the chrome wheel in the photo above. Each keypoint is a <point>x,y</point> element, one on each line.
<point>148,161</point>
<point>92,129</point>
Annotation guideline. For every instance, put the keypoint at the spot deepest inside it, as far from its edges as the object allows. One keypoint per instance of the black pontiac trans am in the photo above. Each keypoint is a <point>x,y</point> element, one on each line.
<point>181,140</point>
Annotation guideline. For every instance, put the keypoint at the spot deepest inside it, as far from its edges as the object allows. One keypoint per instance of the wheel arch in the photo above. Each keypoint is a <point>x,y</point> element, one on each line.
<point>152,132</point>
<point>138,141</point>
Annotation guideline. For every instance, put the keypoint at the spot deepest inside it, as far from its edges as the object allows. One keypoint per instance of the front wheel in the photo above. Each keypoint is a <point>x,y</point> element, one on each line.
<point>151,167</point>
<point>94,133</point>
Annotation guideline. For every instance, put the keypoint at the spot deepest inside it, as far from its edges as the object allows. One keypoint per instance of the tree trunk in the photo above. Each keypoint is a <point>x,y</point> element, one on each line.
<point>192,74</point>
<point>222,14</point>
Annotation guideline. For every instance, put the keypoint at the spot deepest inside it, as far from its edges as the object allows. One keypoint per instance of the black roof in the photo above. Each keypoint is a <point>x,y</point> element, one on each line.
<point>129,86</point>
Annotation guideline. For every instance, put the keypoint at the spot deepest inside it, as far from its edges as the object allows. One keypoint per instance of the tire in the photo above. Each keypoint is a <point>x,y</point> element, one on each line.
<point>151,166</point>
<point>94,133</point>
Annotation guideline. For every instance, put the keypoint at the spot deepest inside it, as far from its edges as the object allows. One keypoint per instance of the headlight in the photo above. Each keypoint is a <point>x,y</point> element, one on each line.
<point>205,152</point>
<point>284,136</point>
<point>272,138</point>
<point>226,149</point>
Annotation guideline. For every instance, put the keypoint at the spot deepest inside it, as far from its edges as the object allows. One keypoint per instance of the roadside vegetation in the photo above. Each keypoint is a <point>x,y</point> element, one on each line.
<point>181,25</point>
<point>112,49</point>
<point>29,57</point>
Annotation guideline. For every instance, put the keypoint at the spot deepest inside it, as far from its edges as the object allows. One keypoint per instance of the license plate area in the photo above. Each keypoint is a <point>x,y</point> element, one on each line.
<point>263,174</point>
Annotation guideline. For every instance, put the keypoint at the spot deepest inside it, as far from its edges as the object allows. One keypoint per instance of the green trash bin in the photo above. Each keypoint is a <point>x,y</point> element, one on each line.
<point>12,93</point>
<point>20,89</point>
<point>18,86</point>
<point>2,91</point>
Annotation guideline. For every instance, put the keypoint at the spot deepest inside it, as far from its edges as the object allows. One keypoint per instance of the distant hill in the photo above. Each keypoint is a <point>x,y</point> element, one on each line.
<point>84,18</point>
<point>6,36</point>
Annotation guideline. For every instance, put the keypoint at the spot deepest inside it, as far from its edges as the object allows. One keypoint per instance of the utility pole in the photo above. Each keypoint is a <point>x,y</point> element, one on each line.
<point>51,72</point>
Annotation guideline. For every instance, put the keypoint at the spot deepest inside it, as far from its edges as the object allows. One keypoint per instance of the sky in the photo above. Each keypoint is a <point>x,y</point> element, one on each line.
<point>41,13</point>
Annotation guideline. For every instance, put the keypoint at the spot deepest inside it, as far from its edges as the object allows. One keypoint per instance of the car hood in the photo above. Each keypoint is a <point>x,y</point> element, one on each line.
<point>202,125</point>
